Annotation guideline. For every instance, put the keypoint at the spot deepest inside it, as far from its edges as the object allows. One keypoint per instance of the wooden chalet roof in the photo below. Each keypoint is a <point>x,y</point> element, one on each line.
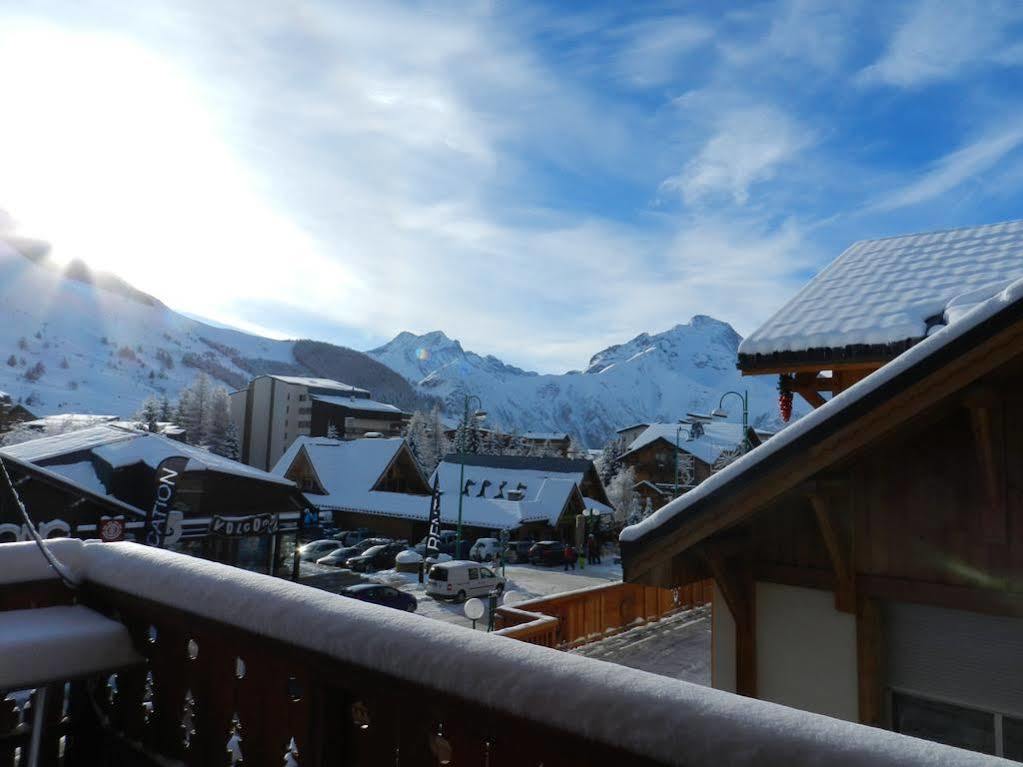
<point>880,297</point>
<point>942,365</point>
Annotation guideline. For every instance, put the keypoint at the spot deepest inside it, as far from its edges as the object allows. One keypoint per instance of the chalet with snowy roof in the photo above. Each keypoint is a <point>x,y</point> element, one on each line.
<point>550,442</point>
<point>531,497</point>
<point>629,433</point>
<point>671,458</point>
<point>274,410</point>
<point>74,483</point>
<point>878,299</point>
<point>868,559</point>
<point>374,483</point>
<point>12,413</point>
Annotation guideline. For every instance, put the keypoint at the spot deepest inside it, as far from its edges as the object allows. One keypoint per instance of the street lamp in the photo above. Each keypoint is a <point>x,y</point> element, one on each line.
<point>720,412</point>
<point>479,414</point>
<point>678,433</point>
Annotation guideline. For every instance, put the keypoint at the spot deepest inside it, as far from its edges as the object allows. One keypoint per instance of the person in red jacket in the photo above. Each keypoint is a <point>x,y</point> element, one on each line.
<point>569,557</point>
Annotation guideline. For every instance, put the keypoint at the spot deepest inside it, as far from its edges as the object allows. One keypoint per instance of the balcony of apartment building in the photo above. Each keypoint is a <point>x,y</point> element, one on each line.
<point>139,656</point>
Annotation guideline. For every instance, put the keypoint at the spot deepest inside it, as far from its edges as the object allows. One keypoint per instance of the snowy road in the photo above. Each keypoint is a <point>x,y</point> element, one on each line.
<point>677,646</point>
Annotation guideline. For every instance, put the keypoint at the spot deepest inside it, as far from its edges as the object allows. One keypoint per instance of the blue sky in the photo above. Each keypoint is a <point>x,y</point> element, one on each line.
<point>539,181</point>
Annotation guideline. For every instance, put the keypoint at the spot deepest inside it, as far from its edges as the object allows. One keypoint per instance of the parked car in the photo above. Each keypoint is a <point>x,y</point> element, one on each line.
<point>485,549</point>
<point>339,557</point>
<point>447,540</point>
<point>517,551</point>
<point>376,557</point>
<point>352,537</point>
<point>312,551</point>
<point>461,579</point>
<point>381,595</point>
<point>547,553</point>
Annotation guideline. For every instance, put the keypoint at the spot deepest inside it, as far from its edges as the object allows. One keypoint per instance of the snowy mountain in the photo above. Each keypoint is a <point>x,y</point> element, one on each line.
<point>650,378</point>
<point>72,340</point>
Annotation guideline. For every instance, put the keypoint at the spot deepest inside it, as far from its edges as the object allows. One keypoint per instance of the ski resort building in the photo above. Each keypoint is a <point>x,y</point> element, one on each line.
<point>274,410</point>
<point>103,481</point>
<point>373,483</point>
<point>532,498</point>
<point>868,559</point>
<point>551,442</point>
<point>875,301</point>
<point>672,458</point>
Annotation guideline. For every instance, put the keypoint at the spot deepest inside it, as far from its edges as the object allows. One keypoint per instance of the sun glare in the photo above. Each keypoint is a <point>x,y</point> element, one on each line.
<point>111,154</point>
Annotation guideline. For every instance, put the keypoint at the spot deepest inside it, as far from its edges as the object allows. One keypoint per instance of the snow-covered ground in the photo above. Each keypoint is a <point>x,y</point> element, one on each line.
<point>677,646</point>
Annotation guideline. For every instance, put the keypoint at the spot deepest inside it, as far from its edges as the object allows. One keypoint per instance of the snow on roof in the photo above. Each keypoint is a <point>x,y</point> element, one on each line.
<point>69,421</point>
<point>70,442</point>
<point>630,428</point>
<point>885,291</point>
<point>119,446</point>
<point>544,495</point>
<point>348,470</point>
<point>319,383</point>
<point>607,703</point>
<point>717,437</point>
<point>603,508</point>
<point>818,417</point>
<point>356,404</point>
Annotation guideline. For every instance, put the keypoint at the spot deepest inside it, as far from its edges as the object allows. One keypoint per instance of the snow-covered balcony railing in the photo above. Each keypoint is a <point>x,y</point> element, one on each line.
<point>239,665</point>
<point>585,615</point>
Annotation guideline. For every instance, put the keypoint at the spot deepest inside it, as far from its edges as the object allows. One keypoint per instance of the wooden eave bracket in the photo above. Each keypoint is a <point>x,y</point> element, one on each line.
<point>809,385</point>
<point>836,530</point>
<point>987,419</point>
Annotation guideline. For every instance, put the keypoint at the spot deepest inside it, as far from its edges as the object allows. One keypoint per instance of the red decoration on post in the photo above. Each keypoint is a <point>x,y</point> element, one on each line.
<point>785,396</point>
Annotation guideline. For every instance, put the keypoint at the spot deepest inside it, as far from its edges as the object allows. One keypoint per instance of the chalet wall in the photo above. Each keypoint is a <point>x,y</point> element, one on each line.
<point>806,651</point>
<point>723,673</point>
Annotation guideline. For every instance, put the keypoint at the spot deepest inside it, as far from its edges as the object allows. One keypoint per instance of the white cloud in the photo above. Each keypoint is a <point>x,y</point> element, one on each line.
<point>941,39</point>
<point>953,170</point>
<point>653,49</point>
<point>748,147</point>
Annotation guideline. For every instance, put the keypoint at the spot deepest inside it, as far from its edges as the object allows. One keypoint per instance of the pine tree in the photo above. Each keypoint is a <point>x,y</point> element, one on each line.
<point>229,445</point>
<point>622,494</point>
<point>332,431</point>
<point>150,413</point>
<point>575,448</point>
<point>216,419</point>
<point>608,463</point>
<point>165,409</point>
<point>418,438</point>
<point>439,446</point>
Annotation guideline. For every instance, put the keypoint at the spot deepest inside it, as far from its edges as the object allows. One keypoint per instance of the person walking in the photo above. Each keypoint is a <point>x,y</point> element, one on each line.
<point>592,550</point>
<point>570,556</point>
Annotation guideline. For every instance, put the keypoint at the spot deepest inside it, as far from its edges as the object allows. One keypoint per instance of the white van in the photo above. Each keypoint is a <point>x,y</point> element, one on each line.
<point>485,549</point>
<point>461,579</point>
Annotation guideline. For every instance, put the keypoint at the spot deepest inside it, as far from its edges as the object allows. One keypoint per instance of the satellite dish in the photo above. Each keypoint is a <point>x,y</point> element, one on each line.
<point>512,598</point>
<point>474,609</point>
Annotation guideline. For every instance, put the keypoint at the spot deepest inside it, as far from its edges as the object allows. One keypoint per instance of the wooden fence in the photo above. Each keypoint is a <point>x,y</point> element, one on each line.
<point>586,615</point>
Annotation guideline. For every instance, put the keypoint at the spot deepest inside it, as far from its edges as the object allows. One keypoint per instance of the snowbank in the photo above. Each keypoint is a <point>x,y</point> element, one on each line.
<point>605,702</point>
<point>60,643</point>
<point>978,314</point>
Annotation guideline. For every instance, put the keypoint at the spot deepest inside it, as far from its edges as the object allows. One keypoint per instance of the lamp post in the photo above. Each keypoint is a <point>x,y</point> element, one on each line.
<point>678,433</point>
<point>722,413</point>
<point>480,415</point>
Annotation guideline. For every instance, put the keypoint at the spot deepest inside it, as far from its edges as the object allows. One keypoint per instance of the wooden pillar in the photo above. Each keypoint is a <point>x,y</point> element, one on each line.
<point>870,661</point>
<point>734,578</point>
<point>987,418</point>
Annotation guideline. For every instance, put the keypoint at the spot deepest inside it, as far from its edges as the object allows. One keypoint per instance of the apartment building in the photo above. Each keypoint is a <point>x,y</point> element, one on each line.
<point>273,410</point>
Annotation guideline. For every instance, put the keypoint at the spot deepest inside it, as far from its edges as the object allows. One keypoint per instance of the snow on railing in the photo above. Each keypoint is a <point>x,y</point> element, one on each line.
<point>272,667</point>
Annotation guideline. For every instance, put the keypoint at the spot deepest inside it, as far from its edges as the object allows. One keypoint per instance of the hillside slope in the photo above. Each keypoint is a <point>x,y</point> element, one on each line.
<point>76,341</point>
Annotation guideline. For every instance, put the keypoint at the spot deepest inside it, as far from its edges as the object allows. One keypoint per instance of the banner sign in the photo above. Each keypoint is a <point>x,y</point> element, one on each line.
<point>168,474</point>
<point>234,527</point>
<point>433,533</point>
